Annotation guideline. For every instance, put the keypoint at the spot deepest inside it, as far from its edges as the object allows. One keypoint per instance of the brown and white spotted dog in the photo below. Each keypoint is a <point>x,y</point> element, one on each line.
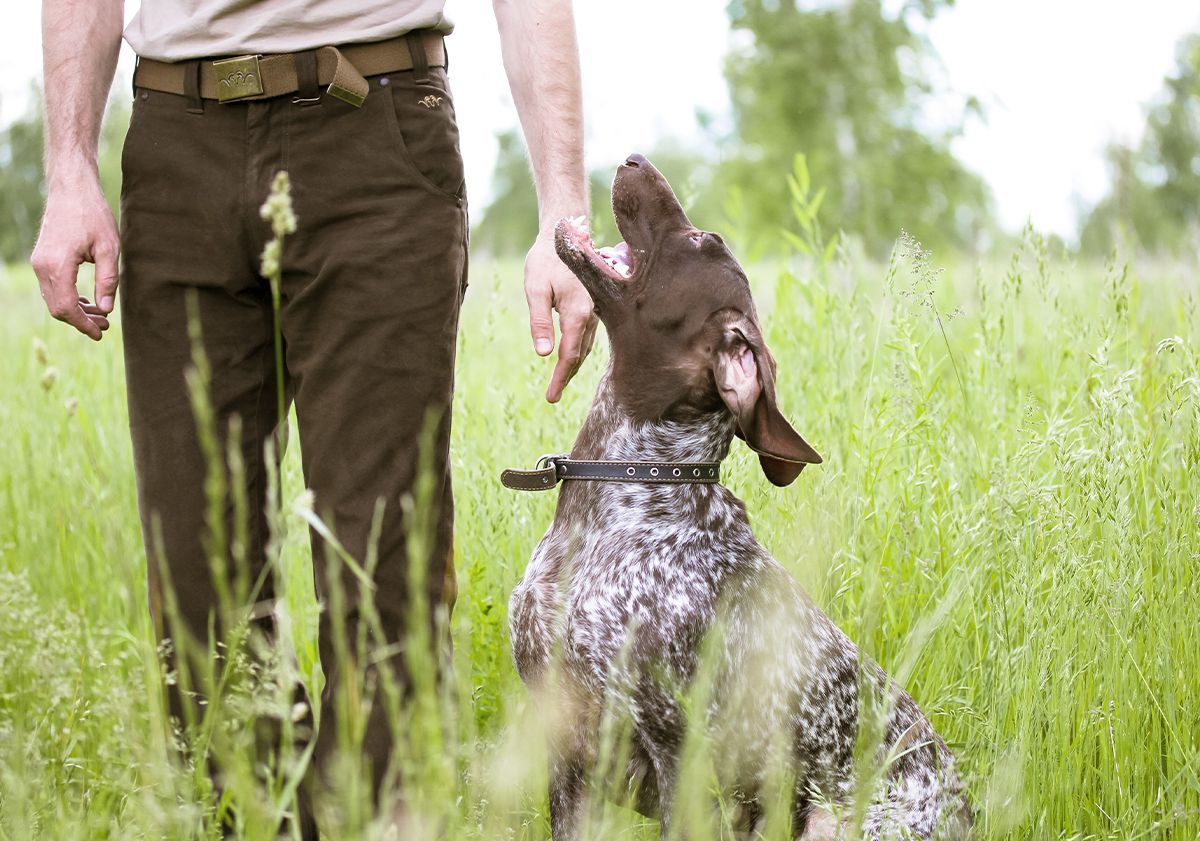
<point>633,580</point>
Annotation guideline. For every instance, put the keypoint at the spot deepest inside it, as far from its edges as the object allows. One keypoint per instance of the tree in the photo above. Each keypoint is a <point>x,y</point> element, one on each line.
<point>21,183</point>
<point>22,176</point>
<point>1155,196</point>
<point>845,85</point>
<point>509,223</point>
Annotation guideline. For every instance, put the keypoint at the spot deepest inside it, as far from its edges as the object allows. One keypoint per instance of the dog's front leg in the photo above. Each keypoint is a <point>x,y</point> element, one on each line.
<point>661,723</point>
<point>666,769</point>
<point>572,760</point>
<point>568,796</point>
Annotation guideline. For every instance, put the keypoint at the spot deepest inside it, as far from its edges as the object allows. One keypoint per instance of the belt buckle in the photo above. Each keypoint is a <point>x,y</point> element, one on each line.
<point>238,78</point>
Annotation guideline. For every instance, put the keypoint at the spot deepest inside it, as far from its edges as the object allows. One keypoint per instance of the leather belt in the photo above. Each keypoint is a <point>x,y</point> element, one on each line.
<point>252,77</point>
<point>551,470</point>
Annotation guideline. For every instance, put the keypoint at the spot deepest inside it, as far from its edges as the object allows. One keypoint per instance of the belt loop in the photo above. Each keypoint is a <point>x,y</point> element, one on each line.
<point>191,88</point>
<point>308,85</point>
<point>416,49</point>
<point>137,59</point>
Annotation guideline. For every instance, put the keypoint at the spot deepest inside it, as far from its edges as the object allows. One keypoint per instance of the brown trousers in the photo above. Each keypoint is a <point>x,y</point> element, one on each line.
<point>372,284</point>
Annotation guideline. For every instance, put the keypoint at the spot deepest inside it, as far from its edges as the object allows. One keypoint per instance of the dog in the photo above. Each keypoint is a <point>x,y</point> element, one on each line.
<point>635,579</point>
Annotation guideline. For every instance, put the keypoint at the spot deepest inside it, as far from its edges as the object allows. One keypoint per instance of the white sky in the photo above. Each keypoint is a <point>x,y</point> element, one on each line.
<point>1059,78</point>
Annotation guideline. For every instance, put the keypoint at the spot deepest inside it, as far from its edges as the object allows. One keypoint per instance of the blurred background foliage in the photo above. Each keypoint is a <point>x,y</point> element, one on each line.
<point>846,86</point>
<point>852,87</point>
<point>22,176</point>
<point>1155,198</point>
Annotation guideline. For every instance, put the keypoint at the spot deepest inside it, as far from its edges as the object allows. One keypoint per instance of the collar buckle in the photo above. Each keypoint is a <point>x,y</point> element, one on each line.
<point>551,460</point>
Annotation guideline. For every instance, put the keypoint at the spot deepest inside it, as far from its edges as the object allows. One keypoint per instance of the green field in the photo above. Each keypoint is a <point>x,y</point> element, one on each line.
<point>1008,519</point>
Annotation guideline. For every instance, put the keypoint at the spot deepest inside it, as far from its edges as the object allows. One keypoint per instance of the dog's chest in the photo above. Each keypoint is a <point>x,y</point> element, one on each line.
<point>630,572</point>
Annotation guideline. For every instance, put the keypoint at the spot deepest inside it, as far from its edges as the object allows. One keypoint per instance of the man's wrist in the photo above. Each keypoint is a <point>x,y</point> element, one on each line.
<point>80,177</point>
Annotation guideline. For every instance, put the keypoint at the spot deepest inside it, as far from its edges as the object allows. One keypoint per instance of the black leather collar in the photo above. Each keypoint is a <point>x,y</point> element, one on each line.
<point>551,470</point>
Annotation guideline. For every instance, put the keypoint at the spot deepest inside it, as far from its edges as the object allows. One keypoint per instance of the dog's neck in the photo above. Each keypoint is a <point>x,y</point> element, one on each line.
<point>708,512</point>
<point>610,433</point>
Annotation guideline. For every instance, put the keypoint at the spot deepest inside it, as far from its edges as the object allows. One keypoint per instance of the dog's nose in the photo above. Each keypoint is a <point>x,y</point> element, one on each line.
<point>635,160</point>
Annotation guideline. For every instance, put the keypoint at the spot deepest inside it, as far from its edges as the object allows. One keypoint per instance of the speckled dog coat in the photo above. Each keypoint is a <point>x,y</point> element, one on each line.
<point>637,589</point>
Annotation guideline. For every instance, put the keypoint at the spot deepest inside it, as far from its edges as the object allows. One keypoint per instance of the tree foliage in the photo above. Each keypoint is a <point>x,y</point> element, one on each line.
<point>509,223</point>
<point>1155,195</point>
<point>22,175</point>
<point>21,183</point>
<point>845,85</point>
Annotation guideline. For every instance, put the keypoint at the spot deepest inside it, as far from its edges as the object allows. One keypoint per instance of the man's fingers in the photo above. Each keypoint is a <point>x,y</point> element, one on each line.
<point>589,337</point>
<point>96,317</point>
<point>62,300</point>
<point>106,276</point>
<point>541,321</point>
<point>58,289</point>
<point>549,287</point>
<point>91,326</point>
<point>563,371</point>
<point>100,321</point>
<point>571,352</point>
<point>94,313</point>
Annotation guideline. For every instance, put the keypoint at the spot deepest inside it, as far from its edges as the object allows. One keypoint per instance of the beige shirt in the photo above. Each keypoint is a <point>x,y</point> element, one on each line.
<point>174,30</point>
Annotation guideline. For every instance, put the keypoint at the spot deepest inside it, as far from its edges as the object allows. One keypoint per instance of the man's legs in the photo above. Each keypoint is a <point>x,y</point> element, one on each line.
<point>183,210</point>
<point>373,284</point>
<point>372,288</point>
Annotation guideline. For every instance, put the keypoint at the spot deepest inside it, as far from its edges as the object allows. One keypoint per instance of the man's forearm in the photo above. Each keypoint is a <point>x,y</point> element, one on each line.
<point>542,62</point>
<point>80,43</point>
<point>541,59</point>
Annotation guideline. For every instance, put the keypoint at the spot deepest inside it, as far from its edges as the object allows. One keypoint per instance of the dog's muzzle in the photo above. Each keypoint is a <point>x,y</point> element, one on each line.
<point>551,470</point>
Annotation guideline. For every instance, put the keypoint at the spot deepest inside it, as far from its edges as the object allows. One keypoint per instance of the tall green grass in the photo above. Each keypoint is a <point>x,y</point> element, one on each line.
<point>1008,519</point>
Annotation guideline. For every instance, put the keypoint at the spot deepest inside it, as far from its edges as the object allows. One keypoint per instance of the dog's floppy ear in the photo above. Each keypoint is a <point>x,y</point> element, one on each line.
<point>745,376</point>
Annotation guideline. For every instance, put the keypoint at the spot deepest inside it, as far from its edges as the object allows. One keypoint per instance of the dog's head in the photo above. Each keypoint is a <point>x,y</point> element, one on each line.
<point>684,332</point>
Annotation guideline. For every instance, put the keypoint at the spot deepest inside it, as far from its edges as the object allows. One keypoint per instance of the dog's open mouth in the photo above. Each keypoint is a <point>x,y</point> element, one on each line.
<point>615,261</point>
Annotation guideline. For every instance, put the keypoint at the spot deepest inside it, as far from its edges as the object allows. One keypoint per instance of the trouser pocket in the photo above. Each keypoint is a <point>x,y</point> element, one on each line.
<point>425,130</point>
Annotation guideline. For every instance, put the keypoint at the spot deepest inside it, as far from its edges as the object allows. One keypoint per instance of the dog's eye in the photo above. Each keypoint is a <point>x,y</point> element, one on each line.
<point>703,238</point>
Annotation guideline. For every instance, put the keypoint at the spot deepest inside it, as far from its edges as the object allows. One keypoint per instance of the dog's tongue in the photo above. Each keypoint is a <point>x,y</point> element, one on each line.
<point>620,251</point>
<point>617,256</point>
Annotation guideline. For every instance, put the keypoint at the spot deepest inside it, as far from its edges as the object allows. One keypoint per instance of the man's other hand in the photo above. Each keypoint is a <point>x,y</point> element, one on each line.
<point>549,285</point>
<point>78,227</point>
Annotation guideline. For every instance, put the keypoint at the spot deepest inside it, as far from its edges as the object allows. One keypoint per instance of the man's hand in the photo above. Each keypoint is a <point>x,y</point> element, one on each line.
<point>77,228</point>
<point>80,41</point>
<point>550,285</point>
